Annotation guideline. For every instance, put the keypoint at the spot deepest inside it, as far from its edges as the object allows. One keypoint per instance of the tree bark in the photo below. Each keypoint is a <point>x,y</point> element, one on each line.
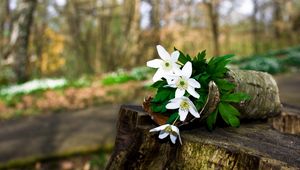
<point>5,25</point>
<point>252,146</point>
<point>255,26</point>
<point>155,24</point>
<point>277,19</point>
<point>212,7</point>
<point>288,121</point>
<point>20,38</point>
<point>263,90</point>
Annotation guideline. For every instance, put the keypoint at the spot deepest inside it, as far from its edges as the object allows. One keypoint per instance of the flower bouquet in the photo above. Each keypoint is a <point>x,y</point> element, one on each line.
<point>192,88</point>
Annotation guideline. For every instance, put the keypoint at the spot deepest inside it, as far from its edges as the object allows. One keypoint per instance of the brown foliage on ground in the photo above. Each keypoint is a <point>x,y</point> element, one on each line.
<point>74,98</point>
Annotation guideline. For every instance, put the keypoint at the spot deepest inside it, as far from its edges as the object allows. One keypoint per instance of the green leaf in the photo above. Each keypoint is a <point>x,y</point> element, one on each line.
<point>159,84</point>
<point>234,121</point>
<point>229,108</point>
<point>183,58</point>
<point>235,97</point>
<point>172,118</point>
<point>218,60</point>
<point>199,63</point>
<point>225,84</point>
<point>217,66</point>
<point>200,56</point>
<point>229,114</point>
<point>202,78</point>
<point>211,119</point>
<point>163,94</point>
<point>159,107</point>
<point>201,101</point>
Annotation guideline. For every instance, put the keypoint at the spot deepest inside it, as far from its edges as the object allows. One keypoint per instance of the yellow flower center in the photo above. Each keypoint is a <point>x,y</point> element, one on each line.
<point>184,105</point>
<point>167,65</point>
<point>182,84</point>
<point>168,129</point>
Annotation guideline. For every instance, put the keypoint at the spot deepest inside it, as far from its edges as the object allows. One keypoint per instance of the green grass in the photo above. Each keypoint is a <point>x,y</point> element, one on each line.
<point>273,62</point>
<point>14,98</point>
<point>121,76</point>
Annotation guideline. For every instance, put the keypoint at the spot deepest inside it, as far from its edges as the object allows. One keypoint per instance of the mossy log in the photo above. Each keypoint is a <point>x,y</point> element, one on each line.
<point>263,90</point>
<point>261,87</point>
<point>252,146</point>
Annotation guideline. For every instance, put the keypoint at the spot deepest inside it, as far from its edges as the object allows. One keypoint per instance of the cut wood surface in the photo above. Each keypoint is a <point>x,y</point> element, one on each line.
<point>288,121</point>
<point>254,145</point>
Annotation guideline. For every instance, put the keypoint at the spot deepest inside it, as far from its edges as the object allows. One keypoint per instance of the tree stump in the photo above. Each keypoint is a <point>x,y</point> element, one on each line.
<point>254,145</point>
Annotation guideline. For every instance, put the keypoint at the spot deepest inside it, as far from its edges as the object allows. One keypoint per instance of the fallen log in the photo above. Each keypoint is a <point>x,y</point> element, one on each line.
<point>260,86</point>
<point>254,145</point>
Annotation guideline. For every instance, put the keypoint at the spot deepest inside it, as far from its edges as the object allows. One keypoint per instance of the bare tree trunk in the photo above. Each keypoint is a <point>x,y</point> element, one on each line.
<point>212,7</point>
<point>4,24</point>
<point>255,36</point>
<point>277,18</point>
<point>155,22</point>
<point>79,37</point>
<point>20,38</point>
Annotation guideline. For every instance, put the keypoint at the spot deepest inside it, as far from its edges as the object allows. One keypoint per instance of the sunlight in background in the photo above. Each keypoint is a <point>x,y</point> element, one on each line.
<point>244,9</point>
<point>61,2</point>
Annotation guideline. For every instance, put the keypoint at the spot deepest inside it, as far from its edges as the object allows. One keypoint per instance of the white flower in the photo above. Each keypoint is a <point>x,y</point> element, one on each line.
<point>183,82</point>
<point>166,65</point>
<point>185,105</point>
<point>166,130</point>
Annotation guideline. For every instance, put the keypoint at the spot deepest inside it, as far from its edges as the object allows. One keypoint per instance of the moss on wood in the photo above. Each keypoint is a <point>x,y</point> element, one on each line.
<point>252,146</point>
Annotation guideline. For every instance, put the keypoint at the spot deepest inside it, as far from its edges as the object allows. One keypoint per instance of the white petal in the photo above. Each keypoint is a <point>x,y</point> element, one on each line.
<point>194,83</point>
<point>176,69</point>
<point>175,100</point>
<point>170,85</point>
<point>163,53</point>
<point>173,105</point>
<point>159,128</point>
<point>187,70</point>
<point>185,98</point>
<point>175,129</point>
<point>183,114</point>
<point>191,90</point>
<point>194,112</point>
<point>175,56</point>
<point>158,75</point>
<point>173,138</point>
<point>156,63</point>
<point>179,139</point>
<point>163,134</point>
<point>192,104</point>
<point>170,78</point>
<point>179,93</point>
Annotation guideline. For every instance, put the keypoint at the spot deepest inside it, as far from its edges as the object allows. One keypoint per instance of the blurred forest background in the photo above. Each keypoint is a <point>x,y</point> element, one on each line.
<point>69,38</point>
<point>73,54</point>
<point>61,56</point>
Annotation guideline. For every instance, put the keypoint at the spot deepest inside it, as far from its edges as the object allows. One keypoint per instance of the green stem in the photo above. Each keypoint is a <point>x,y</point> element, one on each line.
<point>175,120</point>
<point>179,63</point>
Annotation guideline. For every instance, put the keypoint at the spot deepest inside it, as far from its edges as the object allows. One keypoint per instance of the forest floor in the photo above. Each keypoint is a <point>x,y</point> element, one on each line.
<point>289,88</point>
<point>57,135</point>
<point>88,130</point>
